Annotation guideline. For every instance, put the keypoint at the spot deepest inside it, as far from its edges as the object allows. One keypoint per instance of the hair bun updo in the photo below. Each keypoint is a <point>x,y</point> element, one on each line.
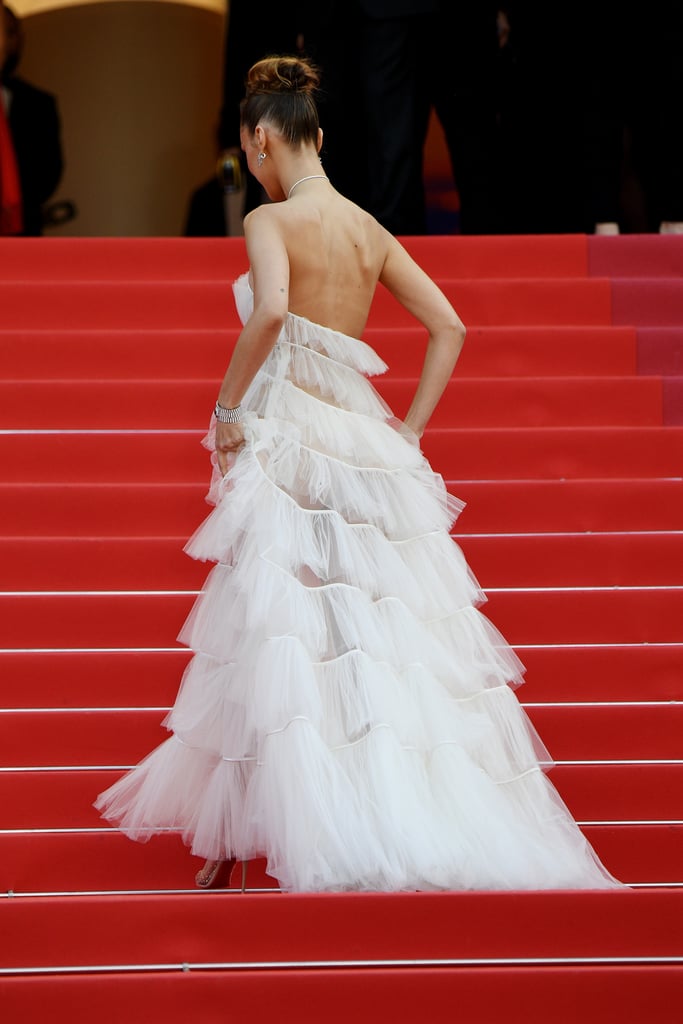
<point>282,75</point>
<point>281,91</point>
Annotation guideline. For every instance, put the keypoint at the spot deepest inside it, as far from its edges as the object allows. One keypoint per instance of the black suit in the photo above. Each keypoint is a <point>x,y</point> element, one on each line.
<point>34,124</point>
<point>374,105</point>
<point>385,64</point>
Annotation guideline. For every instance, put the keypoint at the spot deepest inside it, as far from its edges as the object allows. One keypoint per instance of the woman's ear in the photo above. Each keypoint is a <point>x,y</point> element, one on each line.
<point>319,145</point>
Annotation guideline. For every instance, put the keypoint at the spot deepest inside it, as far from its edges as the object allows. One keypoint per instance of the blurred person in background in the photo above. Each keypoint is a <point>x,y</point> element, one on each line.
<point>10,190</point>
<point>385,65</point>
<point>462,66</point>
<point>368,54</point>
<point>32,142</point>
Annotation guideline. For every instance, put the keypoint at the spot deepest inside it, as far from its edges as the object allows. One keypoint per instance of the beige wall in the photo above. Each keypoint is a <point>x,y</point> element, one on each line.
<point>139,91</point>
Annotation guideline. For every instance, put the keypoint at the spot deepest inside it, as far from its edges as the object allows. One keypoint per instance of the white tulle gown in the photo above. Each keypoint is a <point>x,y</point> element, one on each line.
<point>348,713</point>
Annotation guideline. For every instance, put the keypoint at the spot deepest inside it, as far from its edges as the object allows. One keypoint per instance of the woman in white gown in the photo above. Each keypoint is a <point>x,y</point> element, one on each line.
<point>349,712</point>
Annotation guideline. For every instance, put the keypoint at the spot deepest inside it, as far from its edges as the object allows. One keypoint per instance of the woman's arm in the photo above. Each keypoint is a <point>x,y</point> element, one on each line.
<point>270,273</point>
<point>415,290</point>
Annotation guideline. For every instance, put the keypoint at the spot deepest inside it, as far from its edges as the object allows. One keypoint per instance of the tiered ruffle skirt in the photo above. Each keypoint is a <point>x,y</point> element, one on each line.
<point>349,711</point>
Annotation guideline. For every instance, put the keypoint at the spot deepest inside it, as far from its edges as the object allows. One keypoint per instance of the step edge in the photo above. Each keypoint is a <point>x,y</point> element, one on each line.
<point>333,965</point>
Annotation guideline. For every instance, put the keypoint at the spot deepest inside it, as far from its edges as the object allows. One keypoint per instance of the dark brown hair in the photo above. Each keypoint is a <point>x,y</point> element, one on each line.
<point>281,90</point>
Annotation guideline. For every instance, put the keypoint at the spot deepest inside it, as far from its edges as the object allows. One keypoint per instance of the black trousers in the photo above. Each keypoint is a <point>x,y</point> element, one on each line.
<point>381,78</point>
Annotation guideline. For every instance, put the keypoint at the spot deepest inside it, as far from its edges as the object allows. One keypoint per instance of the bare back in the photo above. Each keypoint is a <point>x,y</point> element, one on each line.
<point>322,257</point>
<point>335,252</point>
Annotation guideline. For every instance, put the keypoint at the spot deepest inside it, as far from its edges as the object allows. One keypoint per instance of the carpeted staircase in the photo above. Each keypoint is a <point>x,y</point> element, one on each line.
<point>563,431</point>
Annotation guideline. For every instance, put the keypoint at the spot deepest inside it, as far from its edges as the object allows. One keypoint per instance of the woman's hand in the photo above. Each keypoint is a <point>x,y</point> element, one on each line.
<point>229,439</point>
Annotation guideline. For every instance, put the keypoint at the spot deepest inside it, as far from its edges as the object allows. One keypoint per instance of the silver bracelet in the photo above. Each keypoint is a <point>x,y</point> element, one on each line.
<point>224,415</point>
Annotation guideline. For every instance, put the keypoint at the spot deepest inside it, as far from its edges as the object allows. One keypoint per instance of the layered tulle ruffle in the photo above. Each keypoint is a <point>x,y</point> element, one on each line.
<point>349,710</point>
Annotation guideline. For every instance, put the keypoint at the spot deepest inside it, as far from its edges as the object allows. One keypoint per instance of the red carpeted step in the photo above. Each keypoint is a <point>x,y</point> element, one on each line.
<point>133,259</point>
<point>116,404</point>
<point>621,791</point>
<point>175,353</point>
<point>576,559</point>
<point>121,737</point>
<point>52,799</point>
<point>109,457</point>
<point>467,402</point>
<point>610,792</point>
<point>526,506</point>
<point>500,256</point>
<point>209,304</point>
<point>102,860</point>
<point>616,732</point>
<point>660,350</point>
<point>105,859</point>
<point>136,619</point>
<point>593,994</point>
<point>160,563</point>
<point>601,615</point>
<point>603,672</point>
<point>458,454</point>
<point>92,620</point>
<point>654,302</point>
<point>515,301</point>
<point>176,509</point>
<point>98,563</point>
<point>122,259</point>
<point>130,354</point>
<point>637,255</point>
<point>534,401</point>
<point>555,452</point>
<point>104,510</point>
<point>527,351</point>
<point>78,305</point>
<point>79,738</point>
<point>189,928</point>
<point>639,853</point>
<point>151,678</point>
<point>481,994</point>
<point>87,679</point>
<point>673,400</point>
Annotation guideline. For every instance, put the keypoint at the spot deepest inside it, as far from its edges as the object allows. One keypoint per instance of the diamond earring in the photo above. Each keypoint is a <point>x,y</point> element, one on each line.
<point>260,158</point>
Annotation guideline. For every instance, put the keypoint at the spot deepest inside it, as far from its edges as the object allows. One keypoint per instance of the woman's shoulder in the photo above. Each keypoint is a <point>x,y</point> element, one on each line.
<point>272,223</point>
<point>266,213</point>
<point>299,228</point>
<point>352,211</point>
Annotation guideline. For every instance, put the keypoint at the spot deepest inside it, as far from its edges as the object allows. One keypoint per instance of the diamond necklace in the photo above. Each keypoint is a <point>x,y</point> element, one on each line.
<point>307,178</point>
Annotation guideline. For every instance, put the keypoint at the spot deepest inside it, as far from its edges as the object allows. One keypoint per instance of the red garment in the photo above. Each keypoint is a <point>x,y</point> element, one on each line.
<point>11,222</point>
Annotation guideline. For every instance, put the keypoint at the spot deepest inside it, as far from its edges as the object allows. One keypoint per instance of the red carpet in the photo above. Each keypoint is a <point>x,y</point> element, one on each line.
<point>496,453</point>
<point>476,402</point>
<point>563,431</point>
<point>633,994</point>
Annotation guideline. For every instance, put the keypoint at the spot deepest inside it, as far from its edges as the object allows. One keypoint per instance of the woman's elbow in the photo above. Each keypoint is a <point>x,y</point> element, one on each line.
<point>270,316</point>
<point>457,333</point>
